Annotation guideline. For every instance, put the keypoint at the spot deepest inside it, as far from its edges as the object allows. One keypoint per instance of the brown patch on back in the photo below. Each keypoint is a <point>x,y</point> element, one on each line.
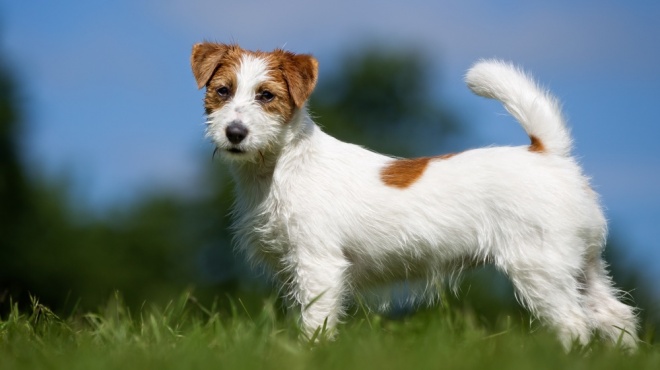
<point>537,145</point>
<point>402,173</point>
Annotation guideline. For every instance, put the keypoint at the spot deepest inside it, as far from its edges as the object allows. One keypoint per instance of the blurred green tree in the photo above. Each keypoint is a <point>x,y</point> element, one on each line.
<point>15,201</point>
<point>383,98</point>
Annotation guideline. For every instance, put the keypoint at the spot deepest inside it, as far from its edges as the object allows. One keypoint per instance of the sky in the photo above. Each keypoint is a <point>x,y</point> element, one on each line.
<point>110,102</point>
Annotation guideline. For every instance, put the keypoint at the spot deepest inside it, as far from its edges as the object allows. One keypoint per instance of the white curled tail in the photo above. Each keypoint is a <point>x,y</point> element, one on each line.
<point>537,111</point>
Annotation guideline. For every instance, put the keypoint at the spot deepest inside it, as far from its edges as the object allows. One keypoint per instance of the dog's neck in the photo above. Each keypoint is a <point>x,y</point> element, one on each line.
<point>254,178</point>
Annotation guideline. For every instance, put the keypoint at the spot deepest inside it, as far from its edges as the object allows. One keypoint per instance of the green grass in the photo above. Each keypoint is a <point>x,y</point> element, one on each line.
<point>186,335</point>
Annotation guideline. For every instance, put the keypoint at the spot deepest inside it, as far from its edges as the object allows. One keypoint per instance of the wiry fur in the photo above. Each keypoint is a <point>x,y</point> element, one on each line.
<point>320,213</point>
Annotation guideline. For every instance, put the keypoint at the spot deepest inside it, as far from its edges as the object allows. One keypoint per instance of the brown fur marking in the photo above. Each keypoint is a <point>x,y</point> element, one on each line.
<point>293,76</point>
<point>537,145</point>
<point>206,58</point>
<point>300,72</point>
<point>402,173</point>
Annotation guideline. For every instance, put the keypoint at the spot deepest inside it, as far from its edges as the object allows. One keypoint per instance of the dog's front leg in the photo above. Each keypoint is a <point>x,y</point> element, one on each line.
<point>319,286</point>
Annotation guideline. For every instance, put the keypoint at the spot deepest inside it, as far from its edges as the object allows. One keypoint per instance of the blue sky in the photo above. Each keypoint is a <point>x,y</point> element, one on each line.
<point>110,100</point>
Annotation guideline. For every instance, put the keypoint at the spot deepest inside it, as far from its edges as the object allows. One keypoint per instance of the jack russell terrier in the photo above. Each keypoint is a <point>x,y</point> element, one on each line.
<point>332,219</point>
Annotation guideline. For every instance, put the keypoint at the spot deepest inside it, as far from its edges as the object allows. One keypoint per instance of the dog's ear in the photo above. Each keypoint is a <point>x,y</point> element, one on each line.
<point>205,59</point>
<point>300,72</point>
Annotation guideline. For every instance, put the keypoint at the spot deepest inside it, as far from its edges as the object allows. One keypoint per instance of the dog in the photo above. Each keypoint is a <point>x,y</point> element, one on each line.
<point>332,219</point>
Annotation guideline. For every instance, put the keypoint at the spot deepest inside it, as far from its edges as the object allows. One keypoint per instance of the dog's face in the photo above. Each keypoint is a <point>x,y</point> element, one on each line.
<point>251,96</point>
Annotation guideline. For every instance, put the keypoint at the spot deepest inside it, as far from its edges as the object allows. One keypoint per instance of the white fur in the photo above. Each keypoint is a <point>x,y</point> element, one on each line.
<point>315,210</point>
<point>537,111</point>
<point>264,133</point>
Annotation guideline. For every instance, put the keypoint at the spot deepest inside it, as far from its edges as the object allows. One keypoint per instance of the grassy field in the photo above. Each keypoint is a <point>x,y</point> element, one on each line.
<point>186,335</point>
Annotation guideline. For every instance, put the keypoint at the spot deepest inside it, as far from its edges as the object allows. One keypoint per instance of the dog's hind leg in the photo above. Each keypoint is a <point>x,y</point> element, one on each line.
<point>614,320</point>
<point>547,285</point>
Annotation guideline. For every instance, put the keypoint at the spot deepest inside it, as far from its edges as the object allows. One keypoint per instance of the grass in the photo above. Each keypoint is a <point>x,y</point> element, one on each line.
<point>186,335</point>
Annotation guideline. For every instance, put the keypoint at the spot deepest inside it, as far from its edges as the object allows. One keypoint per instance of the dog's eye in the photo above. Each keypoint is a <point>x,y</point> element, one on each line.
<point>265,96</point>
<point>223,91</point>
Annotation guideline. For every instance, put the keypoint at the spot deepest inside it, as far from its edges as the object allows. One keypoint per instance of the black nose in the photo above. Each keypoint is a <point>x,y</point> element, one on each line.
<point>236,132</point>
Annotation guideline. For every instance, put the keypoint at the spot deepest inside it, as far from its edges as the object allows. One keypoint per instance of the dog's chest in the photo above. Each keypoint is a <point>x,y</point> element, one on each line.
<point>262,230</point>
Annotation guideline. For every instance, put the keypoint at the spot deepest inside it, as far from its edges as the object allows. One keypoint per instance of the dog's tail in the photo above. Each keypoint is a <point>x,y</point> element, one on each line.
<point>537,111</point>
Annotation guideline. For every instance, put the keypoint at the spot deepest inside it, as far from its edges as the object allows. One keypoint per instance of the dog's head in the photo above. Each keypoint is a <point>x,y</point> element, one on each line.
<point>251,97</point>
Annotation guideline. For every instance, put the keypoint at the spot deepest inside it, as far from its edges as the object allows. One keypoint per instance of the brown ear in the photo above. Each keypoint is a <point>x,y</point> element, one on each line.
<point>205,59</point>
<point>300,72</point>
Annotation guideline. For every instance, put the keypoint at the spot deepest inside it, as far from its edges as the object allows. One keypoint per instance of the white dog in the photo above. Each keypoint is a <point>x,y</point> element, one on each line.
<point>332,218</point>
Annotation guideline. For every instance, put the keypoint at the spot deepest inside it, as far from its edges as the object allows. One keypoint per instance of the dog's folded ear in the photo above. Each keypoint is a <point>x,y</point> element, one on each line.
<point>300,70</point>
<point>301,73</point>
<point>205,59</point>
